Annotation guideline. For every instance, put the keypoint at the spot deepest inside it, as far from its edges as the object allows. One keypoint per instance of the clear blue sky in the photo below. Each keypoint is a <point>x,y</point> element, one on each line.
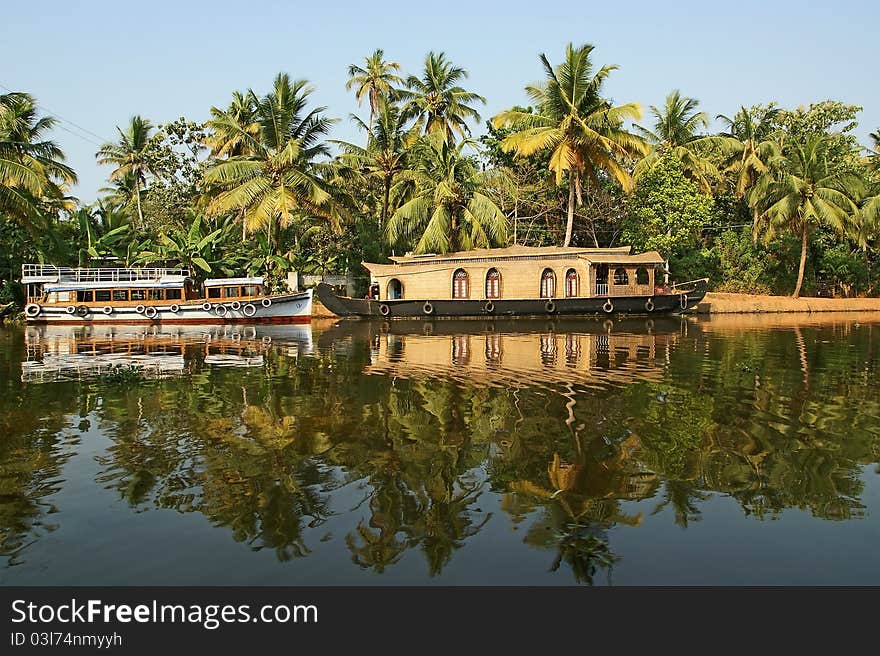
<point>97,63</point>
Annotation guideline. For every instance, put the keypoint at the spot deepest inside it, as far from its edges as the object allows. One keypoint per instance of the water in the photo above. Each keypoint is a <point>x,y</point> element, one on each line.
<point>738,450</point>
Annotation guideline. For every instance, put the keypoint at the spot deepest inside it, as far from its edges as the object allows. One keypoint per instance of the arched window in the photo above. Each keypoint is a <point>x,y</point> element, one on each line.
<point>571,283</point>
<point>395,289</point>
<point>493,284</point>
<point>642,276</point>
<point>620,276</point>
<point>460,284</point>
<point>548,284</point>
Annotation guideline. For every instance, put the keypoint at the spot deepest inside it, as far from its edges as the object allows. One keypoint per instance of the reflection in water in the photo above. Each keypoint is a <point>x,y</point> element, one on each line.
<point>388,441</point>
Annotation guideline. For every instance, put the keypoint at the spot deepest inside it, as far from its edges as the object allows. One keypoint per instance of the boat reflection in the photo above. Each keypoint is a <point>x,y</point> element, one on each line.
<point>70,352</point>
<point>513,354</point>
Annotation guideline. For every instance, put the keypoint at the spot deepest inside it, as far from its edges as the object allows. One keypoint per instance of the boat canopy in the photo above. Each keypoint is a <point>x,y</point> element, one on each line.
<point>223,282</point>
<point>651,257</point>
<point>510,252</point>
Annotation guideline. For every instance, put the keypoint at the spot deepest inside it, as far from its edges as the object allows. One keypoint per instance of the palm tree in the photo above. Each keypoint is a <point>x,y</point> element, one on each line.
<point>874,157</point>
<point>583,131</point>
<point>128,156</point>
<point>33,177</point>
<point>374,81</point>
<point>227,126</point>
<point>802,189</point>
<point>387,153</point>
<point>677,130</point>
<point>275,174</point>
<point>747,146</point>
<point>445,208</point>
<point>436,101</point>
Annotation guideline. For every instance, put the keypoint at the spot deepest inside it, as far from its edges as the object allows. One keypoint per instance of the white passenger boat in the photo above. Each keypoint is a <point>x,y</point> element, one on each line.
<point>63,295</point>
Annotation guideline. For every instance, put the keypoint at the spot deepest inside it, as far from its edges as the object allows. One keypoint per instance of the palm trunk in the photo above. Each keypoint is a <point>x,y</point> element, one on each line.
<point>755,216</point>
<point>386,201</point>
<point>137,192</point>
<point>569,224</point>
<point>800,279</point>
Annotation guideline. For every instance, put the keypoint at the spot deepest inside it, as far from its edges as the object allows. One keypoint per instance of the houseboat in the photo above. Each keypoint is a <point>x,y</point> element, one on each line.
<point>519,281</point>
<point>63,295</point>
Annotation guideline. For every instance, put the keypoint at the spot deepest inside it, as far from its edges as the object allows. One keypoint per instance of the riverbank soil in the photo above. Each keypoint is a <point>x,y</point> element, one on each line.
<point>718,303</point>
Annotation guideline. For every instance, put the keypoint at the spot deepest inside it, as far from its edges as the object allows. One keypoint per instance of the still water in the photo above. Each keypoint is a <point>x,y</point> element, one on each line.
<point>736,450</point>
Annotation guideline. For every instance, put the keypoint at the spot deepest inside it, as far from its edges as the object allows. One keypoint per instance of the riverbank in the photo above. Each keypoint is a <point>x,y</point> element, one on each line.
<point>720,303</point>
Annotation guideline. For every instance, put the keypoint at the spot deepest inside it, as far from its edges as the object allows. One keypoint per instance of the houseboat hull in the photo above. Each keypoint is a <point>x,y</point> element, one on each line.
<point>282,309</point>
<point>678,302</point>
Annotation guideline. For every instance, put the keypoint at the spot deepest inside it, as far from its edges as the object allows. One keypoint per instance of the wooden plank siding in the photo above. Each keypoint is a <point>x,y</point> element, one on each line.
<point>520,277</point>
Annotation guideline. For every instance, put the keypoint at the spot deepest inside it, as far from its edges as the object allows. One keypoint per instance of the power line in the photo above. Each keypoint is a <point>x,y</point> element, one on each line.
<point>84,138</point>
<point>101,139</point>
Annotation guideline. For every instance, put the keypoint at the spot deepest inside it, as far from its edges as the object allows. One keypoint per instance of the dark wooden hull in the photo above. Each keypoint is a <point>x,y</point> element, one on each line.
<point>466,308</point>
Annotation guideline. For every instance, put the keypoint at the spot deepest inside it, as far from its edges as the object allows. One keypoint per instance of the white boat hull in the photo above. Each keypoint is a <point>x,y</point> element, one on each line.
<point>282,309</point>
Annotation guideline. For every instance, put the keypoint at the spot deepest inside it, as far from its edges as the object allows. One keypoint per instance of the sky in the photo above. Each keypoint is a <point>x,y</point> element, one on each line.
<point>93,64</point>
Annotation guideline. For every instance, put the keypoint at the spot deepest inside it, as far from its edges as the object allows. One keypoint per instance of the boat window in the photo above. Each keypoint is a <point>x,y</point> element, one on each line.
<point>172,294</point>
<point>230,292</point>
<point>548,284</point>
<point>642,276</point>
<point>460,287</point>
<point>493,284</point>
<point>155,295</point>
<point>213,292</point>
<point>395,289</point>
<point>120,294</point>
<point>84,296</point>
<point>102,294</point>
<point>571,283</point>
<point>620,276</point>
<point>139,294</point>
<point>250,290</point>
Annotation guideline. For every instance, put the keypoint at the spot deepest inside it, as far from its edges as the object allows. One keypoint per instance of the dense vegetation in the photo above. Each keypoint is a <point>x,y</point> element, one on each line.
<point>782,200</point>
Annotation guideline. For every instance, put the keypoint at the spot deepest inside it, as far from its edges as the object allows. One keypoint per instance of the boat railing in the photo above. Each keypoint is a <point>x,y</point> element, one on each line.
<point>601,289</point>
<point>688,283</point>
<point>102,274</point>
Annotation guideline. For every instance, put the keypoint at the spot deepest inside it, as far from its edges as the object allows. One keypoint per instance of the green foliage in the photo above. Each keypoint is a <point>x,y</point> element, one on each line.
<point>677,127</point>
<point>667,211</point>
<point>833,118</point>
<point>274,180</point>
<point>173,158</point>
<point>743,264</point>
<point>804,188</point>
<point>33,176</point>
<point>583,131</point>
<point>847,270</point>
<point>442,206</point>
<point>202,247</point>
<point>436,101</point>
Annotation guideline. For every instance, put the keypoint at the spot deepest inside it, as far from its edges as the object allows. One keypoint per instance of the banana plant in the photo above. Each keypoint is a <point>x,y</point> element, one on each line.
<point>198,248</point>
